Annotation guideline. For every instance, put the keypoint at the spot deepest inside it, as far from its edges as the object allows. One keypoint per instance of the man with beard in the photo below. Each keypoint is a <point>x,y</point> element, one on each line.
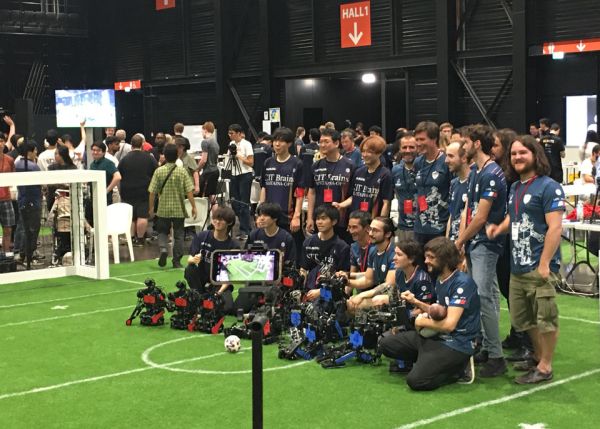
<point>380,265</point>
<point>447,357</point>
<point>403,177</point>
<point>535,208</point>
<point>456,159</point>
<point>486,203</point>
<point>433,184</point>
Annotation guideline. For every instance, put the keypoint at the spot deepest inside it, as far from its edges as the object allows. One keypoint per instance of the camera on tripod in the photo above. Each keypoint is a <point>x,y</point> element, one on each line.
<point>232,149</point>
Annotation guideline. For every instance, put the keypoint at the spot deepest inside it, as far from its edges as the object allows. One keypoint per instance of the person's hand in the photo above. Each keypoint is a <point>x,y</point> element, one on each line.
<point>408,296</point>
<point>194,212</point>
<point>194,259</point>
<point>310,226</point>
<point>82,123</point>
<point>313,294</point>
<point>9,121</point>
<point>295,224</point>
<point>459,245</point>
<point>419,321</point>
<point>342,274</point>
<point>335,204</point>
<point>196,190</point>
<point>492,231</point>
<point>355,301</point>
<point>151,213</point>
<point>544,271</point>
<point>240,157</point>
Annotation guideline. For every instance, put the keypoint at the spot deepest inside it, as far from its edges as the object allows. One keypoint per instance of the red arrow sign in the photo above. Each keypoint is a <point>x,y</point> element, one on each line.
<point>355,24</point>
<point>571,46</point>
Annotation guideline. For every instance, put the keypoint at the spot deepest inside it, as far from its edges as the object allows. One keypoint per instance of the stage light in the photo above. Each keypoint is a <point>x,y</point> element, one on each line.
<point>368,78</point>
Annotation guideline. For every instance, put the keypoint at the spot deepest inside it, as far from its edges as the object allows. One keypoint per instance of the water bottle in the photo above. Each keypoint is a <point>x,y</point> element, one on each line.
<point>579,211</point>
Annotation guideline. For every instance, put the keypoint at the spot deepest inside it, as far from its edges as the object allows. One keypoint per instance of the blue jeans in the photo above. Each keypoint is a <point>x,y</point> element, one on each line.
<point>239,191</point>
<point>482,267</point>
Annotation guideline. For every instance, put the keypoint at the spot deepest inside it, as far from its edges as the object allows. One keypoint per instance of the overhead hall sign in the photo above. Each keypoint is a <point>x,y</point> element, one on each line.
<point>355,24</point>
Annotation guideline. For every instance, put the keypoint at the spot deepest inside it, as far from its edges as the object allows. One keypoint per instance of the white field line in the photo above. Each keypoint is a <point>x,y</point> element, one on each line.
<point>500,400</point>
<point>576,319</point>
<point>67,316</point>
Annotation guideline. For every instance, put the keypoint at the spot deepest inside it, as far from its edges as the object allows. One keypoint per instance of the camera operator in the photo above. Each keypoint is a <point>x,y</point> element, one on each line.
<point>443,359</point>
<point>380,264</point>
<point>324,247</point>
<point>408,258</point>
<point>197,272</point>
<point>242,155</point>
<point>270,235</point>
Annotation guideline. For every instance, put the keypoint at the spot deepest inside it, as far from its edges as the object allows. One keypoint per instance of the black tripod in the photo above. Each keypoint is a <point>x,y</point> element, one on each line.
<point>232,168</point>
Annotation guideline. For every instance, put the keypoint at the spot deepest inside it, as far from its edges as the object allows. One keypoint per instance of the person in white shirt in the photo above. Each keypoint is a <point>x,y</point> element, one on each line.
<point>46,158</point>
<point>241,180</point>
<point>124,147</point>
<point>587,169</point>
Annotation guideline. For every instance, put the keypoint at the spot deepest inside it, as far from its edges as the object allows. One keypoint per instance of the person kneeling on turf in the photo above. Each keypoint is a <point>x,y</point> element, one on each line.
<point>443,359</point>
<point>270,235</point>
<point>197,272</point>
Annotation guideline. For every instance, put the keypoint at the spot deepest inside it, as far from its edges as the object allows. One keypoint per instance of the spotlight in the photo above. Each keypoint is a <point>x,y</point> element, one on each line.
<point>368,78</point>
<point>309,82</point>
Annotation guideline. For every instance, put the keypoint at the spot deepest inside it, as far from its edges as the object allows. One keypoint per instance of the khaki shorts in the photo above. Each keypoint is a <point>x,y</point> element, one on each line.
<point>532,303</point>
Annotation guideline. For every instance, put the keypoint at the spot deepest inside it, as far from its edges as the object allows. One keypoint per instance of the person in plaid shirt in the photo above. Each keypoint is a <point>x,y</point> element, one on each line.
<point>172,184</point>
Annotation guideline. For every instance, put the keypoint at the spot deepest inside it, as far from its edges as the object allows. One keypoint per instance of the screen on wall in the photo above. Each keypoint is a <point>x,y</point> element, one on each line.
<point>95,106</point>
<point>581,117</point>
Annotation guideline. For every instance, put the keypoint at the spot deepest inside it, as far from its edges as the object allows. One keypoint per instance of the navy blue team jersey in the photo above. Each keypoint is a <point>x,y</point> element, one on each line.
<point>456,204</point>
<point>282,240</point>
<point>433,188</point>
<point>488,184</point>
<point>205,243</point>
<point>283,182</point>
<point>528,204</point>
<point>381,263</point>
<point>369,190</point>
<point>317,252</point>
<point>355,157</point>
<point>420,285</point>
<point>406,191</point>
<point>331,182</point>
<point>459,290</point>
<point>359,257</point>
<point>307,156</point>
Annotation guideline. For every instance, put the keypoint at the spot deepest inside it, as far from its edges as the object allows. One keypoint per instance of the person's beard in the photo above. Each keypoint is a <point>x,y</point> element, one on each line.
<point>434,271</point>
<point>524,168</point>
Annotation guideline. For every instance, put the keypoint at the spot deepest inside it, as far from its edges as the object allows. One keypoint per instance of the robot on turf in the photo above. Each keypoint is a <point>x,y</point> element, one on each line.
<point>151,305</point>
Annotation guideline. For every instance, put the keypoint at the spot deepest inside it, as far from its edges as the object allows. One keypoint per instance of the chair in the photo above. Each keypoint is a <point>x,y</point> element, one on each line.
<point>202,214</point>
<point>119,217</point>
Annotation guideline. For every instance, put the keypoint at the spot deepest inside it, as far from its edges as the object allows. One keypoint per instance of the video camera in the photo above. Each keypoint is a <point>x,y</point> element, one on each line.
<point>232,148</point>
<point>152,301</point>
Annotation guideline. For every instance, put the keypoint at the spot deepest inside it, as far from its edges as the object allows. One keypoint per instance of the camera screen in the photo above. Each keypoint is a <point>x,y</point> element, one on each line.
<point>245,266</point>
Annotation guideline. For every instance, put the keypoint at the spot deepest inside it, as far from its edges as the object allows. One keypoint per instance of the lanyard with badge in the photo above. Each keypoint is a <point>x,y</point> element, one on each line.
<point>422,199</point>
<point>408,203</point>
<point>515,226</point>
<point>328,192</point>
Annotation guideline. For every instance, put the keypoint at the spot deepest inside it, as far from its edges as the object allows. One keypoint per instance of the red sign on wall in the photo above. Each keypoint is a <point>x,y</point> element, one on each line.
<point>355,24</point>
<point>165,4</point>
<point>571,46</point>
<point>128,86</point>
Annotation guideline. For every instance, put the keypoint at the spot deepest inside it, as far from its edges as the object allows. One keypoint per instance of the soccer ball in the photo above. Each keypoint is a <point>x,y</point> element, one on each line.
<point>233,344</point>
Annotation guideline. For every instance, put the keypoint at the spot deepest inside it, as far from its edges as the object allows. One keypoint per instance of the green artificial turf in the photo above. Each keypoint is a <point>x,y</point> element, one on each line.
<point>80,366</point>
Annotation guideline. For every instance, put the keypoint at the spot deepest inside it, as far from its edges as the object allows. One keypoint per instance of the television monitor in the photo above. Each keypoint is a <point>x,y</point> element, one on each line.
<point>581,117</point>
<point>96,106</point>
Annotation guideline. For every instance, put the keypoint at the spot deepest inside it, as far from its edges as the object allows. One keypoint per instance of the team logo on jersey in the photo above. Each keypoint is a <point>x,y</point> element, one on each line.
<point>447,300</point>
<point>526,198</point>
<point>383,267</point>
<point>558,192</point>
<point>492,183</point>
<point>464,198</point>
<point>459,290</point>
<point>283,244</point>
<point>423,288</point>
<point>435,175</point>
<point>477,187</point>
<point>347,170</point>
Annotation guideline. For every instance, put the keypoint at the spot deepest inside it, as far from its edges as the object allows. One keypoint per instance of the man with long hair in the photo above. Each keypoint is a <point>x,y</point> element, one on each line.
<point>535,208</point>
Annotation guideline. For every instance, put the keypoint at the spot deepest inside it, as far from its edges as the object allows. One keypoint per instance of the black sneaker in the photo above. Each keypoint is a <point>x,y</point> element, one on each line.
<point>162,260</point>
<point>467,376</point>
<point>177,264</point>
<point>481,357</point>
<point>139,242</point>
<point>534,376</point>
<point>511,342</point>
<point>493,368</point>
<point>520,355</point>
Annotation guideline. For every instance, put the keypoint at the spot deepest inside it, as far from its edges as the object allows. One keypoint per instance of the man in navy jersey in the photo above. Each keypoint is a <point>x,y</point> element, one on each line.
<point>535,208</point>
<point>271,236</point>
<point>371,185</point>
<point>456,159</point>
<point>359,225</point>
<point>197,273</point>
<point>486,203</point>
<point>350,150</point>
<point>330,181</point>
<point>307,155</point>
<point>433,184</point>
<point>442,359</point>
<point>403,177</point>
<point>262,152</point>
<point>324,247</point>
<point>380,264</point>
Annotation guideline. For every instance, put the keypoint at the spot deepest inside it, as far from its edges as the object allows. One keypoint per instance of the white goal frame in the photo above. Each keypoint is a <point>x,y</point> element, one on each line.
<point>77,179</point>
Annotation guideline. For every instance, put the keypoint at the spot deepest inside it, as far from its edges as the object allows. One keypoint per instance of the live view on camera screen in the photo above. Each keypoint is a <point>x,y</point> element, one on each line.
<point>246,266</point>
